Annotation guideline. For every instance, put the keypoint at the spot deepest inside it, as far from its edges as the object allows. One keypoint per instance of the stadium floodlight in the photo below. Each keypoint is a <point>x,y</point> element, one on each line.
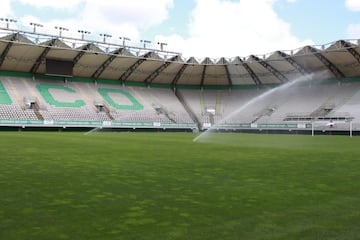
<point>83,32</point>
<point>124,39</point>
<point>36,25</point>
<point>145,42</point>
<point>8,20</point>
<point>61,29</point>
<point>105,35</point>
<point>162,44</point>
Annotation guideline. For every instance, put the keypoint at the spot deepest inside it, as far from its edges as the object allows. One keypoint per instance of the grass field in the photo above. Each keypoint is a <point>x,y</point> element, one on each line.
<point>165,186</point>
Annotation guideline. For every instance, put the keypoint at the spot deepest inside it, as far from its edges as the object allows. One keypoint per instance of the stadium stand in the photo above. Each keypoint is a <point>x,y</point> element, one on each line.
<point>297,104</point>
<point>112,86</point>
<point>47,100</point>
<point>78,102</point>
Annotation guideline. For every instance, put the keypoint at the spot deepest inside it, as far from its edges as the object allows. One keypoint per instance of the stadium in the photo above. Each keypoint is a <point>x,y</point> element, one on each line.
<point>51,81</point>
<point>68,172</point>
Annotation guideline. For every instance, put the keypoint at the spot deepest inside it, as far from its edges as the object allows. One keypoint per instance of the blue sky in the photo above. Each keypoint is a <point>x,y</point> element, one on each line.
<point>320,20</point>
<point>200,28</point>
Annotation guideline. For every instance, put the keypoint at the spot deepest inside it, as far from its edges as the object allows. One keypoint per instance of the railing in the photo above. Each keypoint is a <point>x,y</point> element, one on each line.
<point>102,124</point>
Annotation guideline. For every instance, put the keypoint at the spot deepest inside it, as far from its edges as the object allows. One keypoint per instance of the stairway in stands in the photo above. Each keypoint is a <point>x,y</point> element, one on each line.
<point>37,112</point>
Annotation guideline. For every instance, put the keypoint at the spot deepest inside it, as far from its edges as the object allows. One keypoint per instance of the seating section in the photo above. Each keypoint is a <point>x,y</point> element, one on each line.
<point>4,96</point>
<point>12,106</point>
<point>13,112</point>
<point>228,105</point>
<point>312,100</point>
<point>72,101</point>
<point>351,102</point>
<point>164,103</point>
<point>59,92</point>
<point>139,104</point>
<point>28,99</point>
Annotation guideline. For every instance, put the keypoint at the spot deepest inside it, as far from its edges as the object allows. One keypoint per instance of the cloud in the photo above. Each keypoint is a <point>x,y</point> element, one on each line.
<point>353,5</point>
<point>63,4</point>
<point>5,9</point>
<point>139,13</point>
<point>115,17</point>
<point>124,17</point>
<point>353,31</point>
<point>216,28</point>
<point>222,28</point>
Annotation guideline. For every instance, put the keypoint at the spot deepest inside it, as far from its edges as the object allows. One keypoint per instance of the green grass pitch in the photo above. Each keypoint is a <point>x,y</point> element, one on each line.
<point>165,186</point>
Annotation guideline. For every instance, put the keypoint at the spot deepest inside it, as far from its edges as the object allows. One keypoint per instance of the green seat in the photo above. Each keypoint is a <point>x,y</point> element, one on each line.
<point>4,96</point>
<point>104,92</point>
<point>45,93</point>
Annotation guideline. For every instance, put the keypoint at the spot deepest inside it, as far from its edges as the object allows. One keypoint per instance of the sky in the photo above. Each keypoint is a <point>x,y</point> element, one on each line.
<point>199,28</point>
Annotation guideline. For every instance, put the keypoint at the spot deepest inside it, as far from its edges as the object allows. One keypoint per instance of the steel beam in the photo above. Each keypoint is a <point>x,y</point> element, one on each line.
<point>105,64</point>
<point>155,73</point>
<point>81,53</point>
<point>228,76</point>
<point>252,74</point>
<point>203,76</point>
<point>225,63</point>
<point>329,65</point>
<point>133,67</point>
<point>270,68</point>
<point>42,56</point>
<point>350,50</point>
<point>293,63</point>
<point>7,48</point>
<point>178,75</point>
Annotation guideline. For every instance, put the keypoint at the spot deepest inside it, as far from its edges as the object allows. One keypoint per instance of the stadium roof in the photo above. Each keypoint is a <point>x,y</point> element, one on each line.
<point>23,51</point>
